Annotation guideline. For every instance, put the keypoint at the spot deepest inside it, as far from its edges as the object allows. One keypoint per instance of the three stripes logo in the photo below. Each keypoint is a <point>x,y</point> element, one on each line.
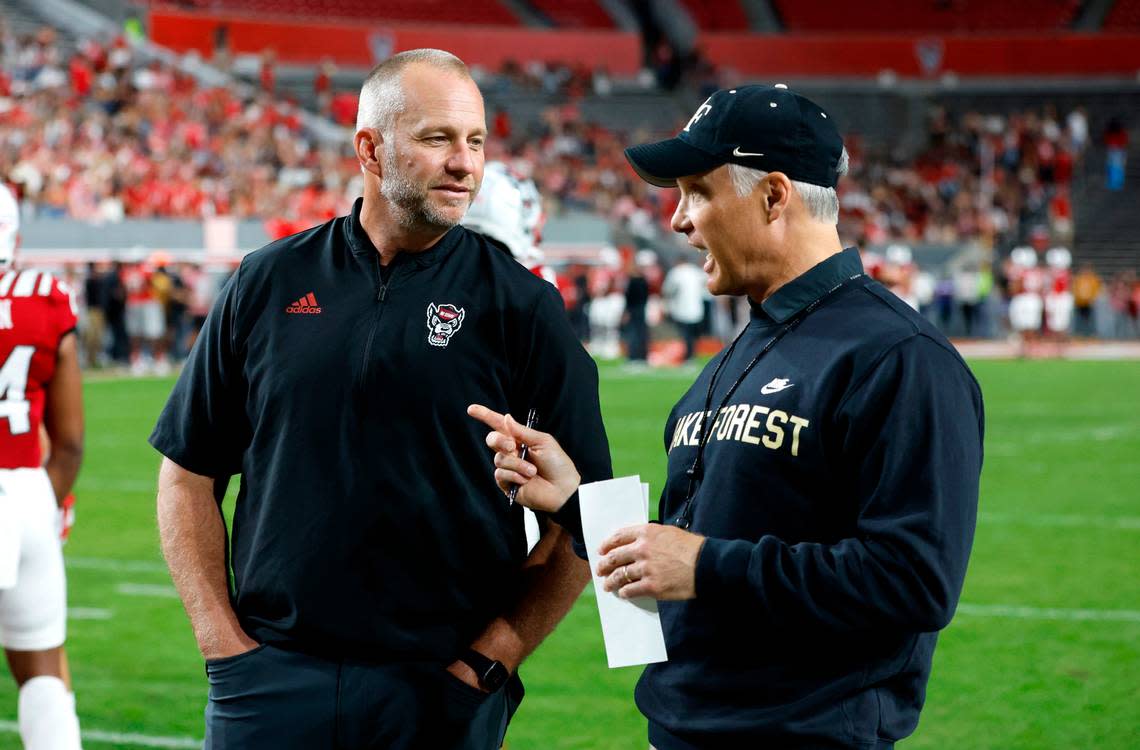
<point>307,305</point>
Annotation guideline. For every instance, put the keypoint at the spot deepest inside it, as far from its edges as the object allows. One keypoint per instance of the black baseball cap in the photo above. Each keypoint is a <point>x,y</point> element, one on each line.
<point>764,127</point>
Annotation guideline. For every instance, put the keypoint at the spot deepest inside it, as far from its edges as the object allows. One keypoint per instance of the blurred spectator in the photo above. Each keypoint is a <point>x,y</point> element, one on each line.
<point>1086,289</point>
<point>636,323</point>
<point>322,83</point>
<point>1125,298</point>
<point>578,302</point>
<point>115,312</point>
<point>1116,154</point>
<point>146,318</point>
<point>221,39</point>
<point>175,303</point>
<point>1078,125</point>
<point>967,290</point>
<point>684,293</point>
<point>95,317</point>
<point>1058,293</point>
<point>267,72</point>
<point>501,125</point>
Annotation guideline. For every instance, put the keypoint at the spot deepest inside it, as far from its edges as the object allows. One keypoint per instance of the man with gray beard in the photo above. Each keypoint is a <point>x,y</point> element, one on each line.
<point>378,592</point>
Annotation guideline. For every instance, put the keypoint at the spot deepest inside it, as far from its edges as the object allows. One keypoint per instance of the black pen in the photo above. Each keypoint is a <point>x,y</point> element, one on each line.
<point>531,421</point>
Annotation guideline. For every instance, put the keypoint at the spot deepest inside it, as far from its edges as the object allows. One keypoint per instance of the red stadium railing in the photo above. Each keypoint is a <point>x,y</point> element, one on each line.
<point>751,55</point>
<point>355,45</point>
<point>916,56</point>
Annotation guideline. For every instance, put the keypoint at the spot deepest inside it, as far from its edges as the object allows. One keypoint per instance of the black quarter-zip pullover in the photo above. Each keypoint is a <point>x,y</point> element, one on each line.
<point>368,522</point>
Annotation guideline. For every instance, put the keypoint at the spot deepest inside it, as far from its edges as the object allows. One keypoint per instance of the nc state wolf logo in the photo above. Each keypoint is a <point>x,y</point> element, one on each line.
<point>442,322</point>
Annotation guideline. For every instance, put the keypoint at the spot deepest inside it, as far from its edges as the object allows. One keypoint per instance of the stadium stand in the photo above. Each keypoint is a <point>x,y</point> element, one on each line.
<point>927,15</point>
<point>575,13</point>
<point>106,134</point>
<point>573,140</point>
<point>468,12</point>
<point>1124,16</point>
<point>722,16</point>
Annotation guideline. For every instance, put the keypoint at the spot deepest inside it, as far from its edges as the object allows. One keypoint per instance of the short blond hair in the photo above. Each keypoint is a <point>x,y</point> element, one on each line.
<point>382,95</point>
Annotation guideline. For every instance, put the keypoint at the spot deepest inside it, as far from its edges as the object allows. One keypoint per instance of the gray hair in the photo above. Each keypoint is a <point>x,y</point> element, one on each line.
<point>822,202</point>
<point>382,95</point>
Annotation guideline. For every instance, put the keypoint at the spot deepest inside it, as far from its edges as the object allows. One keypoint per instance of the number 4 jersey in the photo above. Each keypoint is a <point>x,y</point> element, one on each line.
<point>36,311</point>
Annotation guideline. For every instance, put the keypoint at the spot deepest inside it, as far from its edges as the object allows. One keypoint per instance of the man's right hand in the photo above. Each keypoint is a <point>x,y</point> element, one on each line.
<point>231,645</point>
<point>546,480</point>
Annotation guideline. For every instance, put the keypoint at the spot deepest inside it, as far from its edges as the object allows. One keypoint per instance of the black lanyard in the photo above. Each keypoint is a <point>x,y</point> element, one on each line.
<point>697,470</point>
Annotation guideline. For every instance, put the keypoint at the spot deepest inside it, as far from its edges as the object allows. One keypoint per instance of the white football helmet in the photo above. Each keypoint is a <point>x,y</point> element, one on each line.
<point>899,254</point>
<point>9,226</point>
<point>508,209</point>
<point>1023,256</point>
<point>1058,258</point>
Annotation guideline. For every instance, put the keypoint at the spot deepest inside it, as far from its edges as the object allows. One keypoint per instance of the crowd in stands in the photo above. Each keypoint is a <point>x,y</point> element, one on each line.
<point>981,178</point>
<point>98,134</point>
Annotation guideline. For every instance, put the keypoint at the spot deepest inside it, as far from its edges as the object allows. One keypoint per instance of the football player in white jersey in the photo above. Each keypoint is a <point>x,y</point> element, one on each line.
<point>39,385</point>
<point>1026,305</point>
<point>508,210</point>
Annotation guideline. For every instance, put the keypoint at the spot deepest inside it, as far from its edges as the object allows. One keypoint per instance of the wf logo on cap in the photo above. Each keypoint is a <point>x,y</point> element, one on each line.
<point>702,110</point>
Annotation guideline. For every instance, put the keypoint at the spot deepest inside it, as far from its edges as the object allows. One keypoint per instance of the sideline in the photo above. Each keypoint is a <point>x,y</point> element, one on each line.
<point>118,738</point>
<point>1048,613</point>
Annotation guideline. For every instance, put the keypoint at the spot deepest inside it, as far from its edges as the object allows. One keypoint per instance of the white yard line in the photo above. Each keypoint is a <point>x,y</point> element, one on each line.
<point>88,613</point>
<point>114,565</point>
<point>161,590</point>
<point>148,485</point>
<point>1060,519</point>
<point>1048,613</point>
<point>118,738</point>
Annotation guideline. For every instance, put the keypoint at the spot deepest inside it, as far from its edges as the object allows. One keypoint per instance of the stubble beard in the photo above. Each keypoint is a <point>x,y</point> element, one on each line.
<point>411,203</point>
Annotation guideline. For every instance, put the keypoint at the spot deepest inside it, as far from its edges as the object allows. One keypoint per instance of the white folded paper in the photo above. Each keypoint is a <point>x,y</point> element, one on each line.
<point>631,628</point>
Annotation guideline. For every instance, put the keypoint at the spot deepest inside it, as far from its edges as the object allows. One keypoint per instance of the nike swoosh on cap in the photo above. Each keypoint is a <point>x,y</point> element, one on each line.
<point>737,152</point>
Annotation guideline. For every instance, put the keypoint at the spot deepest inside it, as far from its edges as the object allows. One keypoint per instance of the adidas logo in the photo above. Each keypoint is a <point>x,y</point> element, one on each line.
<point>307,305</point>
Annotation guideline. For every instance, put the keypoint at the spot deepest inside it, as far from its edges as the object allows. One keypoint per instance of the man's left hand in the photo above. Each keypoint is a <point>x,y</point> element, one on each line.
<point>651,560</point>
<point>464,673</point>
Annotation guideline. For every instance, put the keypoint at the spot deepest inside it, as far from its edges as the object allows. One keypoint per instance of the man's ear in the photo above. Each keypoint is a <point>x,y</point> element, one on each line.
<point>368,142</point>
<point>776,190</point>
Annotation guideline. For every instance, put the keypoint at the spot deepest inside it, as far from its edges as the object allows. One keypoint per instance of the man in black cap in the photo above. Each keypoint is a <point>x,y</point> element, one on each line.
<point>822,471</point>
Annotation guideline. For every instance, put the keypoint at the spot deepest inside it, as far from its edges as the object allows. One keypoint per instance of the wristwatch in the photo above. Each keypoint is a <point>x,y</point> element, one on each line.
<point>492,674</point>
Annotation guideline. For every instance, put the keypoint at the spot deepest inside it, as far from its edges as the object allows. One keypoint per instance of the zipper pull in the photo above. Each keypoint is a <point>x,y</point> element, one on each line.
<point>383,293</point>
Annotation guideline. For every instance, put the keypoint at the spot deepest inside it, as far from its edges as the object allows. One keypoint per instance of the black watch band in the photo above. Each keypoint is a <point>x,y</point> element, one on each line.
<point>492,674</point>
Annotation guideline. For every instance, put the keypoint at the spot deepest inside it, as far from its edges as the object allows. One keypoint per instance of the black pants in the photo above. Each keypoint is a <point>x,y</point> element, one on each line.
<point>637,337</point>
<point>283,700</point>
<point>690,332</point>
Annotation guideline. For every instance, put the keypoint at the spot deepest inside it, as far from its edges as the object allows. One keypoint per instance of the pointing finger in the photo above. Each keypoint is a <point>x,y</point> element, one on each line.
<point>492,419</point>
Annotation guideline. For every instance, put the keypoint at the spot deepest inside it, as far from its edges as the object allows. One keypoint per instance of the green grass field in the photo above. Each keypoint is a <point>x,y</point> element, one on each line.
<point>1044,652</point>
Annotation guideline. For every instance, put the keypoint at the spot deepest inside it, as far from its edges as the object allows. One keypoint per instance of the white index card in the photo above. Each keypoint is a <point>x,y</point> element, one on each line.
<point>631,628</point>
